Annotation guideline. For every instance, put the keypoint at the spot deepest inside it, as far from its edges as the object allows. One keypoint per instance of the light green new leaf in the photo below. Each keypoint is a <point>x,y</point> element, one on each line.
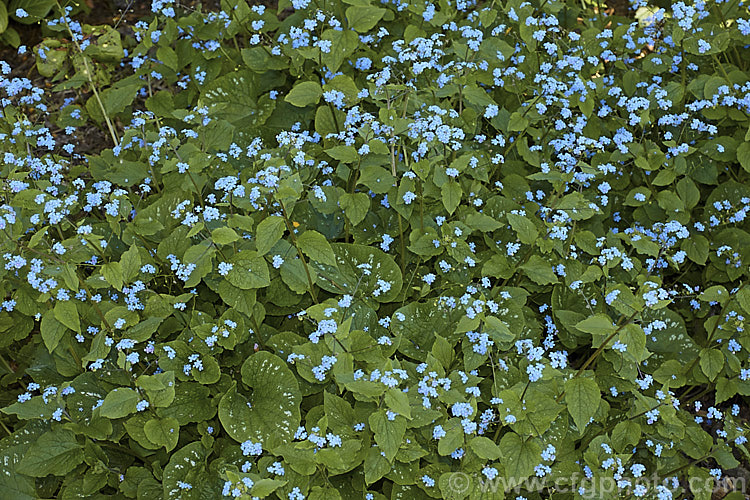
<point>598,324</point>
<point>304,93</point>
<point>119,403</point>
<point>316,246</point>
<point>344,154</point>
<point>485,448</point>
<point>66,313</point>
<point>224,235</point>
<point>363,19</point>
<point>268,232</point>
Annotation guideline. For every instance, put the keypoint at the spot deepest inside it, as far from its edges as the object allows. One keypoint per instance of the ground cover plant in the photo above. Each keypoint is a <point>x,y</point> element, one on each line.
<point>357,249</point>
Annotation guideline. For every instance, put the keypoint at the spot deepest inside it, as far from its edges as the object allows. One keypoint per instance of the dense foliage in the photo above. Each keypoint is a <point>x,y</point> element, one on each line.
<point>377,250</point>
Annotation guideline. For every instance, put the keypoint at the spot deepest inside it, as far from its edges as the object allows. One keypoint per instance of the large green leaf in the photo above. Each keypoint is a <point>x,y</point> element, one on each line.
<point>519,455</point>
<point>304,93</point>
<point>363,18</point>
<point>56,452</point>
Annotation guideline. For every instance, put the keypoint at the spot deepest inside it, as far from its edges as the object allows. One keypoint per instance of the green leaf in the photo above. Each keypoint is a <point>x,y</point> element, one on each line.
<point>355,206</point>
<point>264,487</point>
<point>224,235</point>
<point>517,122</point>
<point>626,433</point>
<point>66,313</point>
<point>304,93</point>
<point>316,246</point>
<point>191,404</point>
<point>451,193</point>
<point>458,485</point>
<point>130,263</point>
<point>234,98</point>
<point>582,396</point>
<point>519,456</point>
<point>112,273</point>
<point>598,324</point>
<point>119,403</point>
<point>13,483</point>
<point>56,452</point>
<point>485,448</point>
<point>376,465</point>
<point>249,270</point>
<point>363,19</point>
<point>3,17</point>
<point>539,270</point>
<point>271,415</point>
<point>711,361</point>
<point>389,434</point>
<point>527,232</point>
<point>397,401</point>
<point>268,232</point>
<point>163,432</point>
<point>160,388</point>
<point>344,43</point>
<point>52,330</point>
<point>696,248</point>
<point>344,154</point>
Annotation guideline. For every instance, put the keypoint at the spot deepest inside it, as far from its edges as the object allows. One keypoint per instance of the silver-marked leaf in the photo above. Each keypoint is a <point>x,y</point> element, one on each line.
<point>188,467</point>
<point>362,270</point>
<point>234,97</point>
<point>271,415</point>
<point>13,482</point>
